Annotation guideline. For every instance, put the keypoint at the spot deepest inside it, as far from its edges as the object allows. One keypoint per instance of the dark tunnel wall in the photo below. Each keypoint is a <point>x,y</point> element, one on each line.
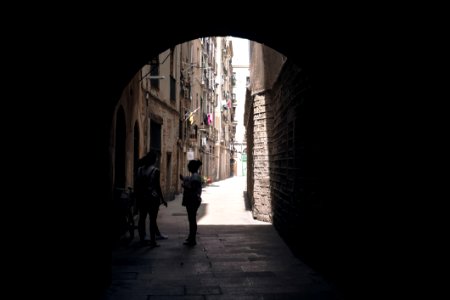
<point>87,68</point>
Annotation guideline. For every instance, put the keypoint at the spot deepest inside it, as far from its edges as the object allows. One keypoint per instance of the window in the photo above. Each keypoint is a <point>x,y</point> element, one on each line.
<point>172,60</point>
<point>173,88</point>
<point>154,71</point>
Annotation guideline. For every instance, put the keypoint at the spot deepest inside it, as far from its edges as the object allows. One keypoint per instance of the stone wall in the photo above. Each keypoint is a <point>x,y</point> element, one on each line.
<point>262,120</point>
<point>293,172</point>
<point>283,131</point>
<point>248,123</point>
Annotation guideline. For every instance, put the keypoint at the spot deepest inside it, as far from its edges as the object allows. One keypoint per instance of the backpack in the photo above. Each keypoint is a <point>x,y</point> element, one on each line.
<point>144,187</point>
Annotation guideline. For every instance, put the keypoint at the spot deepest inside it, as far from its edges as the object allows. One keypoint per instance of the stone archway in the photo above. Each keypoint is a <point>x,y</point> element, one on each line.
<point>336,72</point>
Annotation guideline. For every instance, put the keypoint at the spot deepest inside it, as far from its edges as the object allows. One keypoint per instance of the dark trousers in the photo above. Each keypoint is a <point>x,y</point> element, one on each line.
<point>192,218</point>
<point>152,211</point>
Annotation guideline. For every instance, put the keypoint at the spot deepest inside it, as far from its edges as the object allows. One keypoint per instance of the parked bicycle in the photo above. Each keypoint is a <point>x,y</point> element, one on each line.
<point>127,211</point>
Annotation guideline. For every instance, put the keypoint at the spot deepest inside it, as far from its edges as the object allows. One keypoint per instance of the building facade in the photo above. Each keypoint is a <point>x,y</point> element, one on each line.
<point>180,105</point>
<point>241,77</point>
<point>224,113</point>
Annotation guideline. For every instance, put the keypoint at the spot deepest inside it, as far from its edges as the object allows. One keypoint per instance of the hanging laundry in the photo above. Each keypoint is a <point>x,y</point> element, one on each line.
<point>209,119</point>
<point>191,118</point>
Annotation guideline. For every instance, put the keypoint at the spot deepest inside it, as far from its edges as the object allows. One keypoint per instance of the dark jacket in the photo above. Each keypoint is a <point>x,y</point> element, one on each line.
<point>147,188</point>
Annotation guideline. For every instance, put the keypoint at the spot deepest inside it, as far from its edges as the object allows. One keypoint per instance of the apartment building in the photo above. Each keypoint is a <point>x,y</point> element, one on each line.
<point>179,104</point>
<point>224,111</point>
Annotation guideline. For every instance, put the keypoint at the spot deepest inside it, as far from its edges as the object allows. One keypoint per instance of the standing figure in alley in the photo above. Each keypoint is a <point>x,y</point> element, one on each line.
<point>148,196</point>
<point>192,191</point>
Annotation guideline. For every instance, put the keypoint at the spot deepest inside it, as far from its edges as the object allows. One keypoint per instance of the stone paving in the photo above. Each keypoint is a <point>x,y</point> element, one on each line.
<point>236,257</point>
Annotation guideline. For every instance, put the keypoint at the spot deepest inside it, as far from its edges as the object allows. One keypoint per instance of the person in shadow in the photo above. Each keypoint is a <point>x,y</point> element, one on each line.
<point>192,191</point>
<point>148,196</point>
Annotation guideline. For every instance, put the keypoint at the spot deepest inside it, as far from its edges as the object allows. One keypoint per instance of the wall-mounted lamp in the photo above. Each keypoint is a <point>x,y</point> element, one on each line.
<point>157,77</point>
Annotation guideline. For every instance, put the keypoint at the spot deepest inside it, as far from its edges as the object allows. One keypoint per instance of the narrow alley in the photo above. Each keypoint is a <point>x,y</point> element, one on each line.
<point>236,257</point>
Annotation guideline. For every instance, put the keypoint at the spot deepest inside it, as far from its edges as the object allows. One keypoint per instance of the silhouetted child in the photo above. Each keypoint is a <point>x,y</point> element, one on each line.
<point>192,191</point>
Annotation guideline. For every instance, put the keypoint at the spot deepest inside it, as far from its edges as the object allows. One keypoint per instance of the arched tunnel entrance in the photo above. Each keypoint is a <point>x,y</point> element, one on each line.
<point>333,145</point>
<point>284,130</point>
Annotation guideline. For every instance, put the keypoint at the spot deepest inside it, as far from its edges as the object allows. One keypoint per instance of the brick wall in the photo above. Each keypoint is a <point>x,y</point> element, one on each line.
<point>302,214</point>
<point>248,122</point>
<point>293,180</point>
<point>262,120</point>
<point>283,131</point>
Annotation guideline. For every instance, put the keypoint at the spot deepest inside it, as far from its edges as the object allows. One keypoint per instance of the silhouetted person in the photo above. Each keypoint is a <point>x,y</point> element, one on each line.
<point>192,192</point>
<point>148,196</point>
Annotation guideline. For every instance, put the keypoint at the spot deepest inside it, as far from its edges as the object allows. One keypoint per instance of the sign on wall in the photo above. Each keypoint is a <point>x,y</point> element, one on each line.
<point>190,154</point>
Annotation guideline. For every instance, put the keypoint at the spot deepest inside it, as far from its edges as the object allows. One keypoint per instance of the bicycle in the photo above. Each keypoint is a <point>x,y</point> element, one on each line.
<point>127,208</point>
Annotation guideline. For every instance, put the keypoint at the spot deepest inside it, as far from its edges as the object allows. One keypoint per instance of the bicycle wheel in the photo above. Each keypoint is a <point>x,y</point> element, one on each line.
<point>131,226</point>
